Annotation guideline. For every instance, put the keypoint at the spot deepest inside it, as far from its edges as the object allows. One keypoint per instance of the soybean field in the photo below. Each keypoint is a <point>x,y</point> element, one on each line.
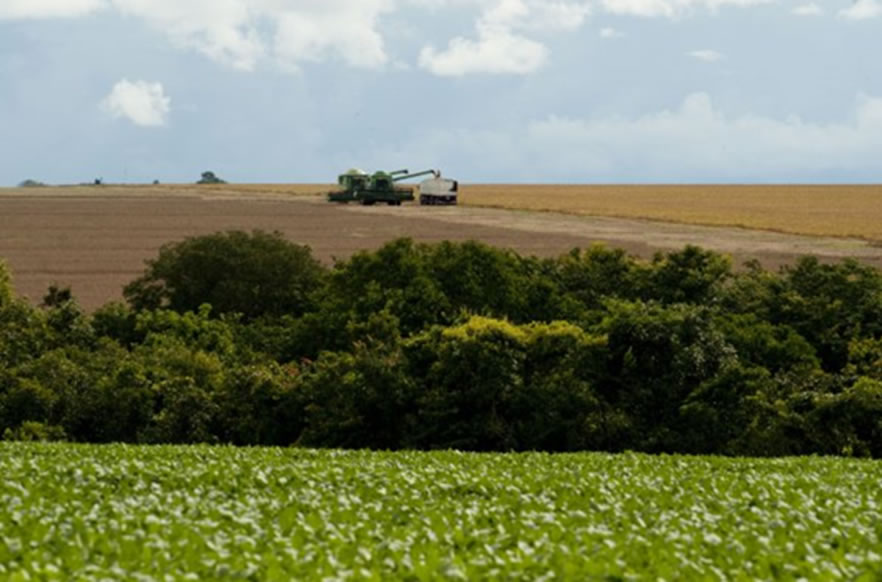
<point>76,512</point>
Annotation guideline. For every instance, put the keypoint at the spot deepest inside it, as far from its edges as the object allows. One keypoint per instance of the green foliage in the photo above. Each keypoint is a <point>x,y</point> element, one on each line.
<point>244,338</point>
<point>209,177</point>
<point>468,376</point>
<point>759,343</point>
<point>477,278</point>
<point>24,332</point>
<point>657,357</point>
<point>68,324</point>
<point>865,358</point>
<point>235,272</point>
<point>394,278</point>
<point>30,183</point>
<point>850,423</point>
<point>220,513</point>
<point>828,305</point>
<point>195,330</point>
<point>255,406</point>
<point>489,385</point>
<point>23,400</point>
<point>357,400</point>
<point>558,408</point>
<point>716,416</point>
<point>6,293</point>
<point>117,321</point>
<point>693,275</point>
<point>598,273</point>
<point>30,431</point>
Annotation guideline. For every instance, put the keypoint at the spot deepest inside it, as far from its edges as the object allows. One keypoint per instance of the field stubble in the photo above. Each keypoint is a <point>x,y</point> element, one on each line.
<point>816,210</point>
<point>96,239</point>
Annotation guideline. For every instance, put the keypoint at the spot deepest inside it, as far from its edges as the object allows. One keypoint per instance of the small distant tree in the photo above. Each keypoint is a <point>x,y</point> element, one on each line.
<point>210,178</point>
<point>29,183</point>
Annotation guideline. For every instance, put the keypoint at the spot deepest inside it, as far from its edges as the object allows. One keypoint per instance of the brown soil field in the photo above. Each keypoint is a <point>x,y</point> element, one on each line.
<point>96,239</point>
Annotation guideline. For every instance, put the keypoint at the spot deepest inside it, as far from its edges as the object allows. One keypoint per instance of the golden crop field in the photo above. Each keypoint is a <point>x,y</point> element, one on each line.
<point>819,210</point>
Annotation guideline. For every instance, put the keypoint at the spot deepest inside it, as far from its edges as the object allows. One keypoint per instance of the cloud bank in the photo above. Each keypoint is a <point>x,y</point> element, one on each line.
<point>509,35</point>
<point>694,142</point>
<point>34,9</point>
<point>810,9</point>
<point>501,47</point>
<point>671,8</point>
<point>862,10</point>
<point>142,103</point>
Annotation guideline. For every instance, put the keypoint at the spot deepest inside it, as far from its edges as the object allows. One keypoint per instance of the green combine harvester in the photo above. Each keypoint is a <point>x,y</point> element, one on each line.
<point>379,187</point>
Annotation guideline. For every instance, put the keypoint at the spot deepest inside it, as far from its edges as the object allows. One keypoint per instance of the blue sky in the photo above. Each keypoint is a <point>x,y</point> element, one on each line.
<point>600,91</point>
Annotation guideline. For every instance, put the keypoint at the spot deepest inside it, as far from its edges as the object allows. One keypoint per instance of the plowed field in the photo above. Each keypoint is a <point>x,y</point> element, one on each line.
<point>97,239</point>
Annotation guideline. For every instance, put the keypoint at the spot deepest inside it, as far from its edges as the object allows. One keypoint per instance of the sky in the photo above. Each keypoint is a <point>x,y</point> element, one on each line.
<point>554,91</point>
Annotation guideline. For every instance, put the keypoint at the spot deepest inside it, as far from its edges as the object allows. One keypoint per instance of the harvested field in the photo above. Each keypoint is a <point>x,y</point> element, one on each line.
<point>96,239</point>
<point>817,210</point>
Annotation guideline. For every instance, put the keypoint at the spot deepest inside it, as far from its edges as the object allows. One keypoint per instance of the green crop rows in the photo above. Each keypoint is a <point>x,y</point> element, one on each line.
<point>201,513</point>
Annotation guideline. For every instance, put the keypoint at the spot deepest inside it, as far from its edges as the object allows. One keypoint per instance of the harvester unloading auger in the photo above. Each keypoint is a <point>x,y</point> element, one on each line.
<point>380,187</point>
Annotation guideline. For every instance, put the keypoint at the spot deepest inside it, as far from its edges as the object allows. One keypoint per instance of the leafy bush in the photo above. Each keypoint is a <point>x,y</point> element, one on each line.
<point>658,356</point>
<point>235,272</point>
<point>30,431</point>
<point>693,275</point>
<point>255,406</point>
<point>850,423</point>
<point>468,376</point>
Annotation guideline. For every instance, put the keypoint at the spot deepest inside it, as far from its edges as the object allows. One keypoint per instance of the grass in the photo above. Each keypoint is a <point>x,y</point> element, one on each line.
<point>816,210</point>
<point>200,513</point>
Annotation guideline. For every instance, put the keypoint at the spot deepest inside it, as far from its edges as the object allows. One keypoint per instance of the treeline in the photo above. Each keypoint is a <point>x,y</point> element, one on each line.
<point>245,338</point>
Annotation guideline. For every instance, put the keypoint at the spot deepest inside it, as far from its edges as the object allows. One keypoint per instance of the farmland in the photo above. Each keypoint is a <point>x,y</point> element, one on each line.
<point>124,512</point>
<point>97,239</point>
<point>814,210</point>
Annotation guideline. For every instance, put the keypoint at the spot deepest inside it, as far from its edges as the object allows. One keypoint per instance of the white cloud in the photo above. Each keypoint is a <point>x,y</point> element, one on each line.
<point>223,30</point>
<point>243,33</point>
<point>862,10</point>
<point>692,142</point>
<point>348,29</point>
<point>552,16</point>
<point>24,9</point>
<point>810,9</point>
<point>697,139</point>
<point>671,8</point>
<point>501,47</point>
<point>706,55</point>
<point>142,103</point>
<point>497,50</point>
<point>610,33</point>
<point>509,34</point>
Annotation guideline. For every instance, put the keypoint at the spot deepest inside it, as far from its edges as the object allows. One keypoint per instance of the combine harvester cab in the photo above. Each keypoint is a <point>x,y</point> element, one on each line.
<point>439,191</point>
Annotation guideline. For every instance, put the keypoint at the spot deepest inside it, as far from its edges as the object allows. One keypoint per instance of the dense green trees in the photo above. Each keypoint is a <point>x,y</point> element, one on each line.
<point>244,338</point>
<point>235,272</point>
